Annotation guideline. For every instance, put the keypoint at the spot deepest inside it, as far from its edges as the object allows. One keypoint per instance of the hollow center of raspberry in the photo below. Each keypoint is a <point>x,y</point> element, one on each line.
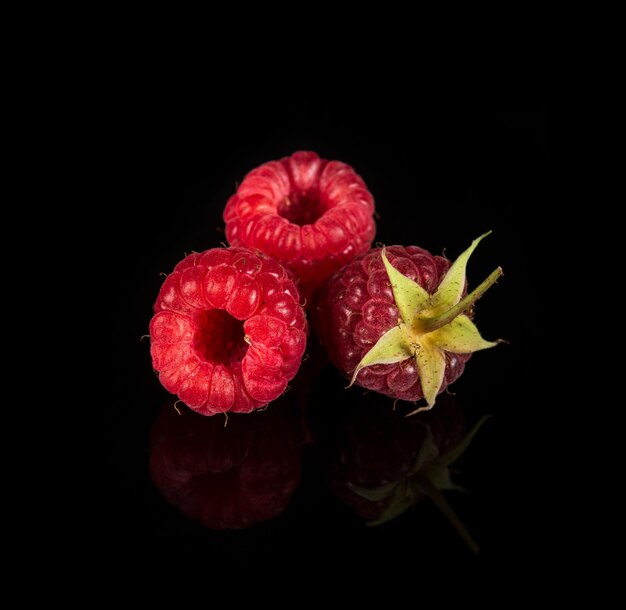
<point>302,208</point>
<point>219,337</point>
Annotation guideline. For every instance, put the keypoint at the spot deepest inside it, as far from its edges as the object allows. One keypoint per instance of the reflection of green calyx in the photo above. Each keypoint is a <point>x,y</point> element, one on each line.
<point>429,475</point>
<point>430,325</point>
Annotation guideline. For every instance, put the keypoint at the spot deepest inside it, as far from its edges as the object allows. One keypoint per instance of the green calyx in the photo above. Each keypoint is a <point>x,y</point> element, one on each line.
<point>430,325</point>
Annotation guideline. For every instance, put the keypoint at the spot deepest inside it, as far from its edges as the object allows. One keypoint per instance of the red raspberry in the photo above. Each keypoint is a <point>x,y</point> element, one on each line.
<point>310,214</point>
<point>228,331</point>
<point>393,320</point>
<point>227,476</point>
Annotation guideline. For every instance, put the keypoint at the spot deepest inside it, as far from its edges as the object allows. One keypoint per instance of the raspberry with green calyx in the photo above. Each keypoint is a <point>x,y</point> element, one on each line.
<point>402,327</point>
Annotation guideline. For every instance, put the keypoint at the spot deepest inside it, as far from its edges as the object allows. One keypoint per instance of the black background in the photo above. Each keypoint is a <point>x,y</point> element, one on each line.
<point>443,169</point>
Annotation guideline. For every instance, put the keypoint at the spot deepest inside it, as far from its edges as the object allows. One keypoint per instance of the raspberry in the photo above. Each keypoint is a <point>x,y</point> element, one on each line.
<point>227,476</point>
<point>393,320</point>
<point>228,331</point>
<point>310,214</point>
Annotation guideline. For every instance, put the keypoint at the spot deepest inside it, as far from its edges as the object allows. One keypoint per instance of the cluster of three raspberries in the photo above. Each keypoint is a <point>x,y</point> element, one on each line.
<point>230,326</point>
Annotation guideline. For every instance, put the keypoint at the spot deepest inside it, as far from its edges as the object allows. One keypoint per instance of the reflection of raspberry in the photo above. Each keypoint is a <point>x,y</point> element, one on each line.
<point>381,446</point>
<point>228,331</point>
<point>311,214</point>
<point>369,446</point>
<point>382,463</point>
<point>227,476</point>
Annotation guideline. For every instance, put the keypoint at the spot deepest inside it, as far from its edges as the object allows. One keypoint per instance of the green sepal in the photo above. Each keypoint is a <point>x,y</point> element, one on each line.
<point>460,337</point>
<point>451,287</point>
<point>392,347</point>
<point>408,295</point>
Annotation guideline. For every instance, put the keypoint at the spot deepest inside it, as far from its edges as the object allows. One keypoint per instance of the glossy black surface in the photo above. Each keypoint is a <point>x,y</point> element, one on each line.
<point>443,171</point>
